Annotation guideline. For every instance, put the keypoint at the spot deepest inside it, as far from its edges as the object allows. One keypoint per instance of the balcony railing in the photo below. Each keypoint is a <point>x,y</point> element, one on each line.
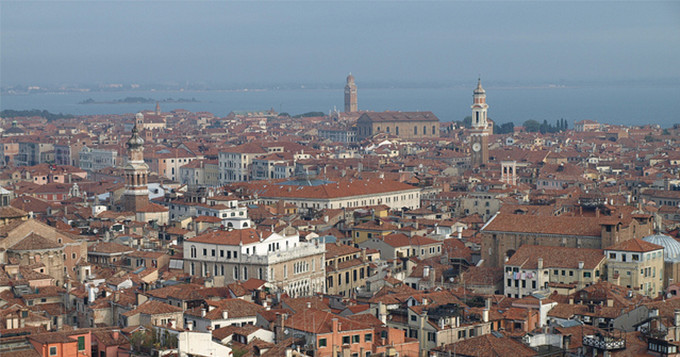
<point>605,343</point>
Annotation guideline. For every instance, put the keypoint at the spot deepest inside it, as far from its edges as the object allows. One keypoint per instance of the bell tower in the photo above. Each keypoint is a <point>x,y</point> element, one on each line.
<point>479,134</point>
<point>136,194</point>
<point>351,95</point>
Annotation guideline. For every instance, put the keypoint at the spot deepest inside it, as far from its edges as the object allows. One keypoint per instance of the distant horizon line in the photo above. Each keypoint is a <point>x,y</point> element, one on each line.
<point>254,86</point>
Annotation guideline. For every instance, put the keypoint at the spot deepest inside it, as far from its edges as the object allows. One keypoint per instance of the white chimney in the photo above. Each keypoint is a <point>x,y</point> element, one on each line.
<point>485,315</point>
<point>203,312</point>
<point>225,314</point>
<point>580,265</point>
<point>190,325</point>
<point>91,293</point>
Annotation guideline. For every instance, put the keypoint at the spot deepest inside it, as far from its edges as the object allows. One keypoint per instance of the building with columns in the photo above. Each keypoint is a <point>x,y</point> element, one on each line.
<point>509,172</point>
<point>351,104</point>
<point>479,134</point>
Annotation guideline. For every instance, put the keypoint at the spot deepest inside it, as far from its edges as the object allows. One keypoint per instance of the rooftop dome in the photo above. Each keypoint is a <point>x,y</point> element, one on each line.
<point>135,140</point>
<point>671,247</point>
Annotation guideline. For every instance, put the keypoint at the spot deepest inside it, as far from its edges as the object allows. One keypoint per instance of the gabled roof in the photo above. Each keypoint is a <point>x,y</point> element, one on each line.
<point>34,241</point>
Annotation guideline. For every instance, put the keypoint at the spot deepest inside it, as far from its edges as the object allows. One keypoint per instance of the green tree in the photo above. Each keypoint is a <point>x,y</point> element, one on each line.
<point>532,126</point>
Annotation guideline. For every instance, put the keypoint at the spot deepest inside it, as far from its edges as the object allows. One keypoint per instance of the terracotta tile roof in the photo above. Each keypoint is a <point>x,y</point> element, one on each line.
<point>527,257</point>
<point>110,248</point>
<point>35,241</point>
<point>390,116</point>
<point>562,225</point>
<point>224,332</point>
<point>335,250</point>
<point>320,322</point>
<point>635,245</point>
<point>341,188</point>
<point>491,344</point>
<point>401,240</point>
<point>235,308</point>
<point>300,304</point>
<point>153,307</point>
<point>234,237</point>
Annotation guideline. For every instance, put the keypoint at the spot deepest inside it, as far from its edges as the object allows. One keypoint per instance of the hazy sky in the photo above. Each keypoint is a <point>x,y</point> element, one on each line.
<point>313,42</point>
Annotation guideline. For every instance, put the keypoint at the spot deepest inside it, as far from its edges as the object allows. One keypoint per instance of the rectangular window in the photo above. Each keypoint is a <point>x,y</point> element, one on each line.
<point>413,318</point>
<point>345,340</point>
<point>368,337</point>
<point>323,342</point>
<point>53,350</point>
<point>586,274</point>
<point>355,339</point>
<point>81,343</point>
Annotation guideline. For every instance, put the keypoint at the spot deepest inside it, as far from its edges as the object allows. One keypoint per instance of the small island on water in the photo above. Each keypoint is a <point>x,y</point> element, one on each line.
<point>139,100</point>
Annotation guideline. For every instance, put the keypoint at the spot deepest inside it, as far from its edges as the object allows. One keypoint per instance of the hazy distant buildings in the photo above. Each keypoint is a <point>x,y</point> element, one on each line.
<point>351,104</point>
<point>407,125</point>
<point>33,152</point>
<point>586,125</point>
<point>97,159</point>
<point>338,134</point>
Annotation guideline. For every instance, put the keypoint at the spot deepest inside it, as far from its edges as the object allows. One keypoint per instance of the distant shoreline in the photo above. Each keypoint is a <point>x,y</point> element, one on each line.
<point>140,100</point>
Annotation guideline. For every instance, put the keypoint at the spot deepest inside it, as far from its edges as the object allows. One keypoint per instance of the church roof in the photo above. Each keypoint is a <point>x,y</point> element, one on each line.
<point>398,116</point>
<point>33,242</point>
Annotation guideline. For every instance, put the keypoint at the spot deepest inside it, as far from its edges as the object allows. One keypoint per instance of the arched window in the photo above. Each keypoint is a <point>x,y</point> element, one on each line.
<point>193,252</point>
<point>415,130</point>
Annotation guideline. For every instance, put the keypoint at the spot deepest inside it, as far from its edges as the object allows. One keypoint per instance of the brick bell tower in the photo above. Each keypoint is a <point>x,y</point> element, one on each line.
<point>136,195</point>
<point>351,104</point>
<point>479,134</point>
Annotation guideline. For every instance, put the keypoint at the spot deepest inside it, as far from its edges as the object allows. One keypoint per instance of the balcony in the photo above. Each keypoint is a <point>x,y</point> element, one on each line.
<point>604,343</point>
